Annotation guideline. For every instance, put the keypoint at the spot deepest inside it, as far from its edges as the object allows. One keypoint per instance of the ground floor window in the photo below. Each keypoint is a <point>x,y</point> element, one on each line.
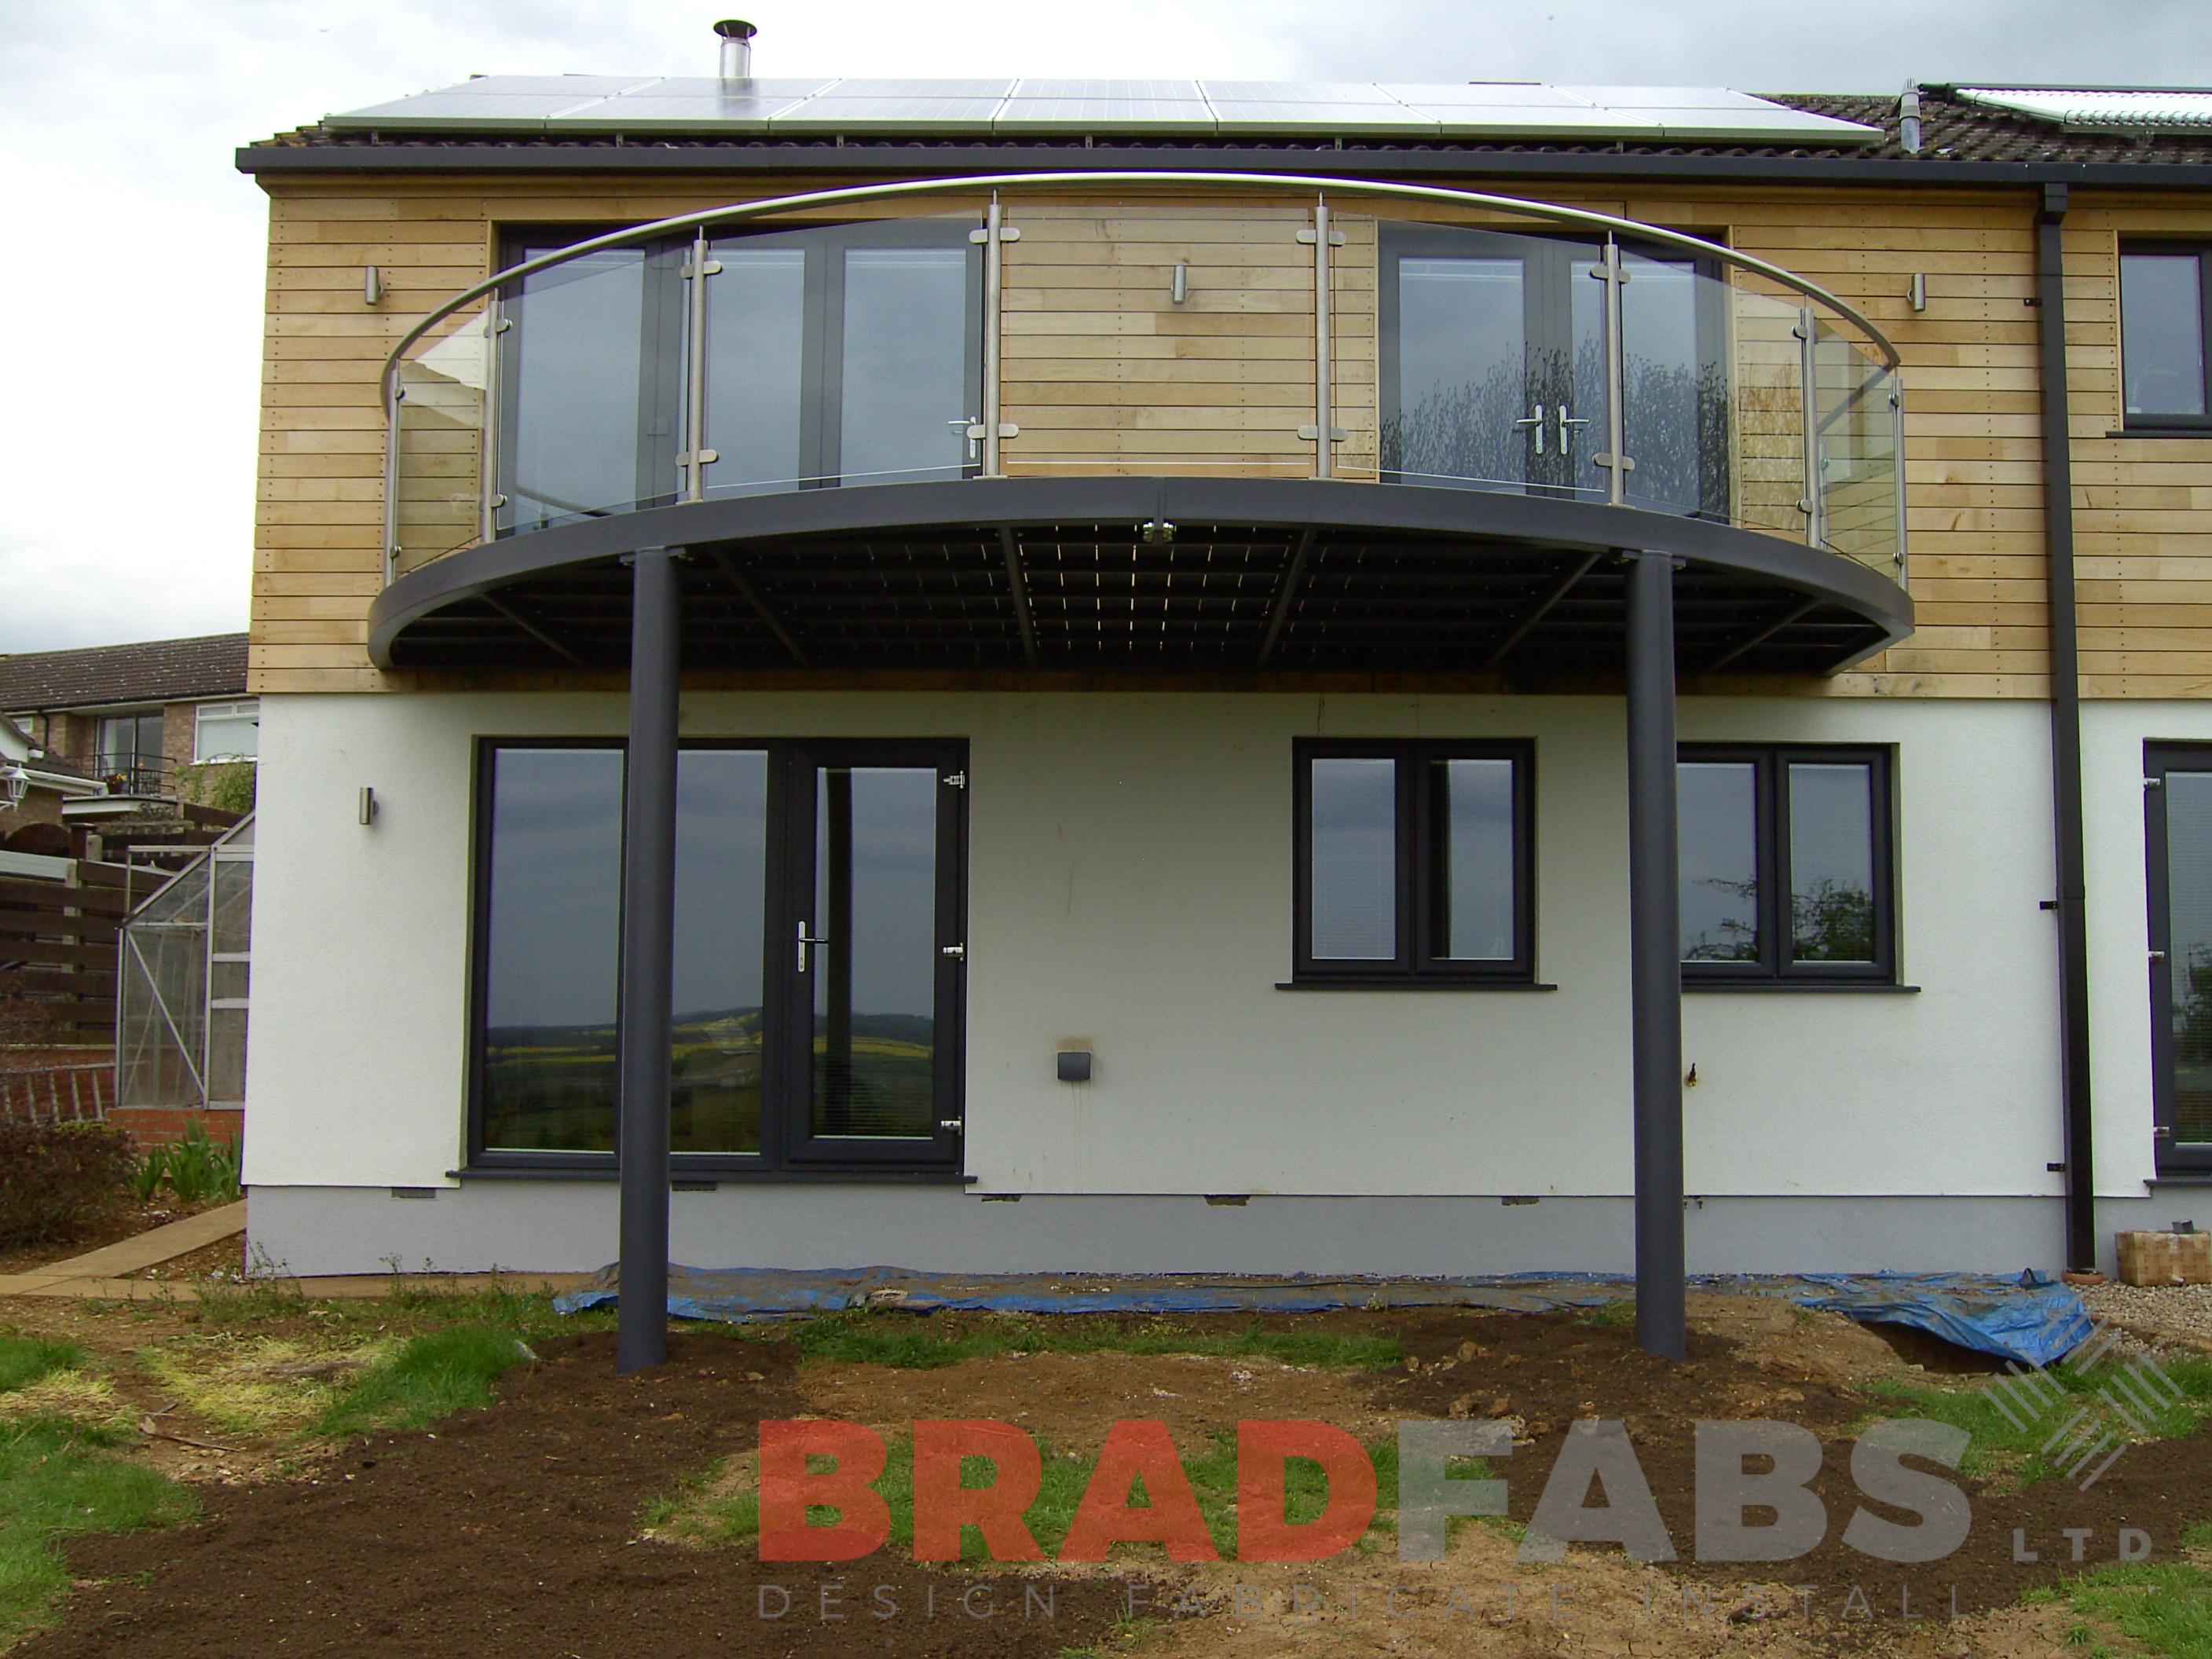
<point>819,954</point>
<point>1786,864</point>
<point>2177,826</point>
<point>1414,861</point>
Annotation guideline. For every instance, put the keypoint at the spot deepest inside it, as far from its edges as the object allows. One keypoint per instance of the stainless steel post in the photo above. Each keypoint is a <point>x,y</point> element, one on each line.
<point>1324,410</point>
<point>994,282</point>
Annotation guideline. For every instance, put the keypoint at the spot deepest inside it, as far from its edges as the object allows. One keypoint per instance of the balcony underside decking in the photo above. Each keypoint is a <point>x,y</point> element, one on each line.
<point>1082,575</point>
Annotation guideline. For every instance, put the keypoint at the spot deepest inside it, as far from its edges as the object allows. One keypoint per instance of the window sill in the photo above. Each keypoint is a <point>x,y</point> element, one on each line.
<point>707,1180</point>
<point>1362,982</point>
<point>2160,432</point>
<point>1818,986</point>
<point>2181,1178</point>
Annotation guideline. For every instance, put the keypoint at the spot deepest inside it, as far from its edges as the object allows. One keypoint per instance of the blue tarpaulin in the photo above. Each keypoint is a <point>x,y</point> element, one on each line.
<point>2029,1319</point>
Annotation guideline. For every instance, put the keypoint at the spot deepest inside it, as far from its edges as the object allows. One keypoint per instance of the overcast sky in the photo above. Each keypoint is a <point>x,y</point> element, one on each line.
<point>132,284</point>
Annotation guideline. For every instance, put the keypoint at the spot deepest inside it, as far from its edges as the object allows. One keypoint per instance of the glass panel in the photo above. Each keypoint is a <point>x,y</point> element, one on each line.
<point>2162,333</point>
<point>1718,822</point>
<point>721,879</point>
<point>875,968</point>
<point>756,350</point>
<point>1463,392</point>
<point>130,752</point>
<point>233,737</point>
<point>1858,406</point>
<point>2189,949</point>
<point>225,1077</point>
<point>554,903</point>
<point>1355,860</point>
<point>233,915</point>
<point>1473,836</point>
<point>1767,414</point>
<point>440,465</point>
<point>164,995</point>
<point>1675,417</point>
<point>231,981</point>
<point>904,396</point>
<point>569,392</point>
<point>1831,862</point>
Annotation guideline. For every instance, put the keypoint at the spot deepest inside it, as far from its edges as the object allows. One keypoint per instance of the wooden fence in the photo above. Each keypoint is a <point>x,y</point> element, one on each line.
<point>60,919</point>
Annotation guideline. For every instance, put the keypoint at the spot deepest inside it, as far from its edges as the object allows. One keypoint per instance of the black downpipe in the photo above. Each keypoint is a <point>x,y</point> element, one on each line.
<point>2065,734</point>
<point>648,959</point>
<point>1655,957</point>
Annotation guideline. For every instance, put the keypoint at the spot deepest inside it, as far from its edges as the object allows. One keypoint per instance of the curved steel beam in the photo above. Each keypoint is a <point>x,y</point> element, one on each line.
<point>983,506</point>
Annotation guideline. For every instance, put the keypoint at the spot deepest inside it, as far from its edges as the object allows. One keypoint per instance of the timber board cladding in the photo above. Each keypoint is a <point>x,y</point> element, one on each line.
<point>1103,372</point>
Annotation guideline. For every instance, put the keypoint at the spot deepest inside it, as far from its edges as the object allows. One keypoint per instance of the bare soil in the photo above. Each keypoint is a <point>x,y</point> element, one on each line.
<point>225,1258</point>
<point>132,1220</point>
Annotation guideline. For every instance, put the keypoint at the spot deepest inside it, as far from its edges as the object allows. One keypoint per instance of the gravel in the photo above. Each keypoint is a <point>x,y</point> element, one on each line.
<point>2173,1313</point>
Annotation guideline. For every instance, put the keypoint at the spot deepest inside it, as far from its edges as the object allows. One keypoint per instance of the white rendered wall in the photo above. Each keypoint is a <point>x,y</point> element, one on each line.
<point>1130,885</point>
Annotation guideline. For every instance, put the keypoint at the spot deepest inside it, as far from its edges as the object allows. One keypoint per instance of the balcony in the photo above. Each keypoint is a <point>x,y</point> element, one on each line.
<point>1207,423</point>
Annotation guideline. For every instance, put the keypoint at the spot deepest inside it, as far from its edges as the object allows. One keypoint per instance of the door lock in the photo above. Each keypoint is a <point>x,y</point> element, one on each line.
<point>957,952</point>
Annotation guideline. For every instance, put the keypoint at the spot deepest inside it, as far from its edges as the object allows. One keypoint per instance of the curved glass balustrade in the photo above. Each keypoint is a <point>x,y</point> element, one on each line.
<point>1439,338</point>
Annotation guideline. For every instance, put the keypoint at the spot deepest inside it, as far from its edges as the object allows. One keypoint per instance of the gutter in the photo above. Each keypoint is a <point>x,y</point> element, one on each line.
<point>2065,735</point>
<point>910,159</point>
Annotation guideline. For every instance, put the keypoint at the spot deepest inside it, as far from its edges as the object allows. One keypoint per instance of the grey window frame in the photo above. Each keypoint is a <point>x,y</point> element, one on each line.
<point>2160,759</point>
<point>1417,888</point>
<point>2200,249</point>
<point>1776,965</point>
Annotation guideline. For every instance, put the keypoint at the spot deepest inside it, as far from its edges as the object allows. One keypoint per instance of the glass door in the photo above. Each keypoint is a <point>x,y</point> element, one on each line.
<point>2177,817</point>
<point>878,952</point>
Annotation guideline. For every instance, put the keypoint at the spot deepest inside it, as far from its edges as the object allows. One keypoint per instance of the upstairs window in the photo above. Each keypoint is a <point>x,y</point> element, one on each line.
<point>832,355</point>
<point>225,732</point>
<point>1415,862</point>
<point>131,751</point>
<point>1786,864</point>
<point>2165,317</point>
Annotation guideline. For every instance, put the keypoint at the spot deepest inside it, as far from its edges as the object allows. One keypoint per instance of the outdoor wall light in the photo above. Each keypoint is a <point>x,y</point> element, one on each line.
<point>1074,1065</point>
<point>372,285</point>
<point>368,806</point>
<point>15,784</point>
<point>1917,295</point>
<point>1180,290</point>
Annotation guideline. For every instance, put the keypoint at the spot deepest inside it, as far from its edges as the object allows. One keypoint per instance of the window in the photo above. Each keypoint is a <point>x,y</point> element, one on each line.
<point>817,1004</point>
<point>1415,862</point>
<point>1786,865</point>
<point>2166,317</point>
<point>839,354</point>
<point>130,752</point>
<point>2177,832</point>
<point>225,732</point>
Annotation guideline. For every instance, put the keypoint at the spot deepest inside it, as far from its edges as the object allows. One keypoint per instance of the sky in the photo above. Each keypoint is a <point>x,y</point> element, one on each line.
<point>134,276</point>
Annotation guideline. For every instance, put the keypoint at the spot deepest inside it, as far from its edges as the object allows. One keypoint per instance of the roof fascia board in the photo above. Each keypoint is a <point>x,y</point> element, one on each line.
<point>905,160</point>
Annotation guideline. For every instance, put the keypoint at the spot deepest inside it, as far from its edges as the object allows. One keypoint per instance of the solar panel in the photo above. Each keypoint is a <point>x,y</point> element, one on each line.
<point>2108,109</point>
<point>981,88</point>
<point>1175,92</point>
<point>467,109</point>
<point>1080,114</point>
<point>1294,92</point>
<point>834,110</point>
<point>696,110</point>
<point>1490,95</point>
<point>1671,98</point>
<point>1319,119</point>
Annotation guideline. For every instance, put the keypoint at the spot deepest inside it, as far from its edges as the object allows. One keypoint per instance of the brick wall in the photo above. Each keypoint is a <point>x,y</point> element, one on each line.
<point>161,1126</point>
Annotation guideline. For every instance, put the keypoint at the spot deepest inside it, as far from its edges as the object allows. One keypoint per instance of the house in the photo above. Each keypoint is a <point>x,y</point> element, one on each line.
<point>1197,676</point>
<point>139,722</point>
<point>33,787</point>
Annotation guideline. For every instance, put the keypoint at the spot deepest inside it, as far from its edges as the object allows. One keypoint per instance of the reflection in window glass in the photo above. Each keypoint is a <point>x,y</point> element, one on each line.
<point>756,342</point>
<point>1475,894</point>
<point>721,884</point>
<point>1355,860</point>
<point>1831,862</point>
<point>2162,334</point>
<point>1462,371</point>
<point>1675,402</point>
<point>572,388</point>
<point>875,970</point>
<point>1718,822</point>
<point>905,401</point>
<point>2189,949</point>
<point>552,933</point>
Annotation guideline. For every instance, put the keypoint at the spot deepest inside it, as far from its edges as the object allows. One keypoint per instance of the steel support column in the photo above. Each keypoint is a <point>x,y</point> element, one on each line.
<point>648,929</point>
<point>1655,955</point>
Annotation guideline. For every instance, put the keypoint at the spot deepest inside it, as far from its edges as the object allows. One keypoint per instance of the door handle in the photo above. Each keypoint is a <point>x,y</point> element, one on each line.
<point>971,429</point>
<point>1566,437</point>
<point>806,940</point>
<point>1537,422</point>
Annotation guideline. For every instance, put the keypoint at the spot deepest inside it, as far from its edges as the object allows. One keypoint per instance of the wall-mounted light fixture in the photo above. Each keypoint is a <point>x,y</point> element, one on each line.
<point>15,784</point>
<point>372,285</point>
<point>1917,292</point>
<point>368,806</point>
<point>1180,290</point>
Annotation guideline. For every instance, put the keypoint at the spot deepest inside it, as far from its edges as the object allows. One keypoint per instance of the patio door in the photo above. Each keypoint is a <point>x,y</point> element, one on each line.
<point>876,965</point>
<point>1492,358</point>
<point>2178,823</point>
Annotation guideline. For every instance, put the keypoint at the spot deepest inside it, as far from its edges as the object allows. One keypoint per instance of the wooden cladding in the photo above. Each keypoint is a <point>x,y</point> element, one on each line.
<point>1104,371</point>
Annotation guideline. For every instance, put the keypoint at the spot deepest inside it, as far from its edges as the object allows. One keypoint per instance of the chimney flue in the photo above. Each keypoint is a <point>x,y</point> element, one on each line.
<point>737,48</point>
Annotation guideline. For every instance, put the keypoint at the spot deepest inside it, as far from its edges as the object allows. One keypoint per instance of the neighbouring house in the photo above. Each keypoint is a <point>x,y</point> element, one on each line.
<point>33,784</point>
<point>150,724</point>
<point>1425,677</point>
